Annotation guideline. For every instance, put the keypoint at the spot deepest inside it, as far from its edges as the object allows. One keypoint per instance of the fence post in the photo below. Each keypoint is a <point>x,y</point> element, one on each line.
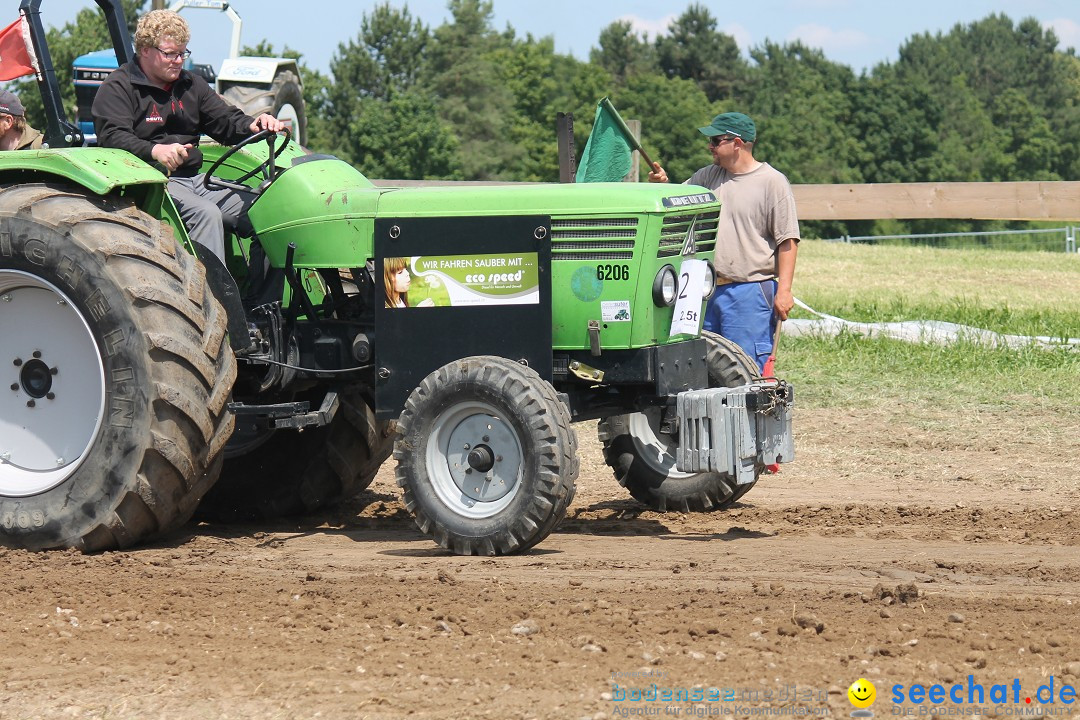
<point>564,129</point>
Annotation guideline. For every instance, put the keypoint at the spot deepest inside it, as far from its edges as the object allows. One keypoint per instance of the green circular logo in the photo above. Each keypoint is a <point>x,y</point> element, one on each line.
<point>585,285</point>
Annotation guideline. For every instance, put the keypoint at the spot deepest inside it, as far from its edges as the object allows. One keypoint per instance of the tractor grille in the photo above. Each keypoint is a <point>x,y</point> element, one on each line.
<point>673,233</point>
<point>593,239</point>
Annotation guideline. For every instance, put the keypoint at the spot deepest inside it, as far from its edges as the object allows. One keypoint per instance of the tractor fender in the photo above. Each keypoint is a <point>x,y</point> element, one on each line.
<point>102,171</point>
<point>105,171</point>
<point>99,170</point>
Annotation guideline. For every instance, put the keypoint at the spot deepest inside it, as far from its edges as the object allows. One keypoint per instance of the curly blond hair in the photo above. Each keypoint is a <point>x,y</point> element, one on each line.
<point>158,25</point>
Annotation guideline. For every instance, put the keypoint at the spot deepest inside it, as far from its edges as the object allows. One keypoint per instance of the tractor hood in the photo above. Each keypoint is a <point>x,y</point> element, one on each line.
<point>537,199</point>
<point>327,209</point>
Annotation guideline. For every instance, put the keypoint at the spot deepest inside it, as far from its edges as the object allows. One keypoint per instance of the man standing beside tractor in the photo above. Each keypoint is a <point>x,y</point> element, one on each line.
<point>757,241</point>
<point>156,110</point>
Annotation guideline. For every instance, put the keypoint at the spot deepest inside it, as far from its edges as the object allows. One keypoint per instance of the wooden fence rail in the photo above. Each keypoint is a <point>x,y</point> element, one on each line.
<point>962,200</point>
<point>1059,201</point>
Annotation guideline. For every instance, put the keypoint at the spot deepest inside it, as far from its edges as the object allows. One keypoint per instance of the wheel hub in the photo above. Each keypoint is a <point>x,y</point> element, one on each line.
<point>36,379</point>
<point>48,419</point>
<point>483,457</point>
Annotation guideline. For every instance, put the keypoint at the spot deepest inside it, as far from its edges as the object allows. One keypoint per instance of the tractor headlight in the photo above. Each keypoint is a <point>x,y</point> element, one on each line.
<point>710,280</point>
<point>665,286</point>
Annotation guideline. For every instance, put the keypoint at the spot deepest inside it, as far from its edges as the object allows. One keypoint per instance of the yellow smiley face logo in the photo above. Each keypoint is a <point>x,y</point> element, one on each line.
<point>862,693</point>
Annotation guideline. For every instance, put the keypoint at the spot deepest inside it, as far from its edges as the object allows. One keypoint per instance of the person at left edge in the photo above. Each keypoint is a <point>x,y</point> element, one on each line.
<point>15,134</point>
<point>157,110</point>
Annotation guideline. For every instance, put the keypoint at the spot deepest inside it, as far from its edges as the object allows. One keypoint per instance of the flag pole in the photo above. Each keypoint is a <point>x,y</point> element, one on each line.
<point>606,102</point>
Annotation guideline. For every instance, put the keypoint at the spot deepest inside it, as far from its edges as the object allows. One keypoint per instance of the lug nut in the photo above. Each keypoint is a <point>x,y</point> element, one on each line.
<point>18,362</point>
<point>50,396</point>
<point>37,353</point>
<point>15,386</point>
<point>30,403</point>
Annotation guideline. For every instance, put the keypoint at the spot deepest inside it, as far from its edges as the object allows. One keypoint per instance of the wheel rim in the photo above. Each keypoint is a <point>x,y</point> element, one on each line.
<point>655,448</point>
<point>474,460</point>
<point>52,382</point>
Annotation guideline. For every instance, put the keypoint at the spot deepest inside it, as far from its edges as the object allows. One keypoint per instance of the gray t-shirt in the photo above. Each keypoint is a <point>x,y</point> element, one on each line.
<point>757,214</point>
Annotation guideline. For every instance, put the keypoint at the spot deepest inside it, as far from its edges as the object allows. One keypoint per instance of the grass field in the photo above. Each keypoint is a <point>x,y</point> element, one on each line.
<point>1008,292</point>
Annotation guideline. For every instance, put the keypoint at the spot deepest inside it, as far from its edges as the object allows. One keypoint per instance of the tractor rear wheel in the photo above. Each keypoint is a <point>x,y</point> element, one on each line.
<point>293,473</point>
<point>284,99</point>
<point>115,373</point>
<point>643,458</point>
<point>486,457</point>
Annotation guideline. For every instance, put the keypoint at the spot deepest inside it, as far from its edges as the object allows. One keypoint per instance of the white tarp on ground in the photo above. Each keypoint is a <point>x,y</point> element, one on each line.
<point>925,331</point>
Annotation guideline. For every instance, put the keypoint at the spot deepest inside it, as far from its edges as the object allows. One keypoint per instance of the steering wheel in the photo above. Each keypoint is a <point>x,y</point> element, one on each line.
<point>267,168</point>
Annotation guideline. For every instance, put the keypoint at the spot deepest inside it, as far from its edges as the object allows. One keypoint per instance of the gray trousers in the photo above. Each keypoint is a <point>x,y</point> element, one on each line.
<point>204,212</point>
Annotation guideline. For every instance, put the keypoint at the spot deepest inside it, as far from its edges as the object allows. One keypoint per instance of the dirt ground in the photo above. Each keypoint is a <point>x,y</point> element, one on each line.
<point>922,550</point>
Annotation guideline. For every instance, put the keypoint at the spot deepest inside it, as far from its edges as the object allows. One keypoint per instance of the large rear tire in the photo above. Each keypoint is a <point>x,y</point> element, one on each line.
<point>486,457</point>
<point>284,99</point>
<point>294,473</point>
<point>115,373</point>
<point>643,458</point>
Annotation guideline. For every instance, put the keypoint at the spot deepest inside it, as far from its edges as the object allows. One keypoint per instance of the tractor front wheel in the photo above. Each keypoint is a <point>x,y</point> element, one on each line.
<point>486,457</point>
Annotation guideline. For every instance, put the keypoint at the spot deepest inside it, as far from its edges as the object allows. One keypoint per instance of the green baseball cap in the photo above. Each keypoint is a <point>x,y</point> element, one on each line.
<point>732,123</point>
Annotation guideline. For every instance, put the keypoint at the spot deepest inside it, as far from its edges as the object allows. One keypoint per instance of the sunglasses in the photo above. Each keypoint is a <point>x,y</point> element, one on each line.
<point>717,141</point>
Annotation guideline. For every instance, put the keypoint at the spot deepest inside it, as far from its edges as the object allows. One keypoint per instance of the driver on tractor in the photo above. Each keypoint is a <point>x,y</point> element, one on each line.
<point>157,110</point>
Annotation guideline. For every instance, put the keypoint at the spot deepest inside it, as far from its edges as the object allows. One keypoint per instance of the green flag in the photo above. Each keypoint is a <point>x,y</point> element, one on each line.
<point>607,152</point>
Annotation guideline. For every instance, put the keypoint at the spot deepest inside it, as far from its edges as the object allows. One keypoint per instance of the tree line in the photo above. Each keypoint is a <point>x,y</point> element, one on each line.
<point>993,100</point>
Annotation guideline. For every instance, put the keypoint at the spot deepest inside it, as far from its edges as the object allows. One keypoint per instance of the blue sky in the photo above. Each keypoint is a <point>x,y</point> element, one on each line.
<point>857,33</point>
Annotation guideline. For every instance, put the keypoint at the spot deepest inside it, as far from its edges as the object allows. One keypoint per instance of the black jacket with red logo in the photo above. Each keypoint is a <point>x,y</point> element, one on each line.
<point>133,114</point>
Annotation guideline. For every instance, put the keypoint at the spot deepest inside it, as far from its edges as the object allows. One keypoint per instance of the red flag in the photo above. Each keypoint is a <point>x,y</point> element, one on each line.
<point>16,56</point>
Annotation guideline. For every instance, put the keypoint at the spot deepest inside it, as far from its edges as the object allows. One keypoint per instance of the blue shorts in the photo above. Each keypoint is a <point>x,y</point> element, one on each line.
<point>743,313</point>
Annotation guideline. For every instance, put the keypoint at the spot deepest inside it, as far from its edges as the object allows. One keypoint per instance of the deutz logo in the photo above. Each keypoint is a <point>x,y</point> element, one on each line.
<point>689,246</point>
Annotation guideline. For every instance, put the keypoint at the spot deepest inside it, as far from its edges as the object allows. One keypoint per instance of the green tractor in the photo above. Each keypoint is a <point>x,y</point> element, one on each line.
<point>463,330</point>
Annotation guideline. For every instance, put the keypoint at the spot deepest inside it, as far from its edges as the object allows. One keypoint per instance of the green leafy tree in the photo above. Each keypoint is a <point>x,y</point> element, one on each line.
<point>623,53</point>
<point>374,113</point>
<point>897,123</point>
<point>694,49</point>
<point>384,59</point>
<point>1000,85</point>
<point>543,84</point>
<point>801,103</point>
<point>399,139</point>
<point>462,72</point>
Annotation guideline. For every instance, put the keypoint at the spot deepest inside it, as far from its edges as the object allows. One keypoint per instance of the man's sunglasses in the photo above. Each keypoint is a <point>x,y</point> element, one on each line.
<point>717,141</point>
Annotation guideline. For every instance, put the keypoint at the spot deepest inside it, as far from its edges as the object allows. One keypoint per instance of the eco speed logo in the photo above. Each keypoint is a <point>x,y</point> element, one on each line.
<point>972,698</point>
